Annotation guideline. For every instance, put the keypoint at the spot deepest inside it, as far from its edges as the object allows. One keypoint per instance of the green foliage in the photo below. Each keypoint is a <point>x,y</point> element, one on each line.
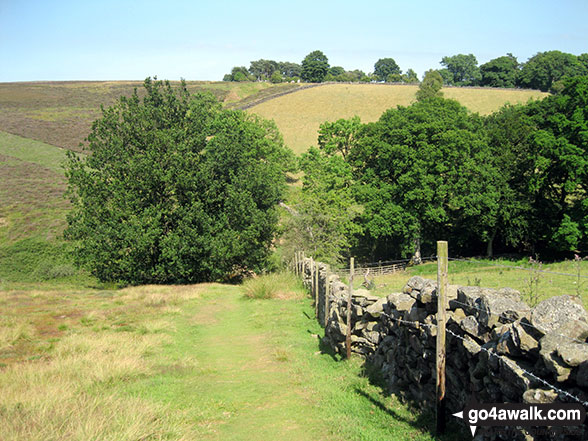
<point>546,68</point>
<point>289,70</point>
<point>276,77</point>
<point>431,86</point>
<point>500,72</point>
<point>336,71</point>
<point>463,68</point>
<point>385,67</point>
<point>560,160</point>
<point>239,74</point>
<point>176,189</point>
<point>422,172</point>
<point>323,218</point>
<point>315,67</point>
<point>410,77</point>
<point>262,69</point>
<point>339,136</point>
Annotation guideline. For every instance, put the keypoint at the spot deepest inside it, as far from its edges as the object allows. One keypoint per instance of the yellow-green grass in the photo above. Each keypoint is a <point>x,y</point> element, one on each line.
<point>33,215</point>
<point>298,115</point>
<point>182,363</point>
<point>484,273</point>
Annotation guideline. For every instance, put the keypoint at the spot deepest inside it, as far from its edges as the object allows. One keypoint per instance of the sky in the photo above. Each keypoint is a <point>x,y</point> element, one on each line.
<point>202,40</point>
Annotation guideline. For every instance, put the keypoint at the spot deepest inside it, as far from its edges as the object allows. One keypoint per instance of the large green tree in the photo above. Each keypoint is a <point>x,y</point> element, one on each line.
<point>500,72</point>
<point>385,67</point>
<point>546,68</point>
<point>560,166</point>
<point>423,173</point>
<point>463,68</point>
<point>431,86</point>
<point>175,189</point>
<point>315,67</point>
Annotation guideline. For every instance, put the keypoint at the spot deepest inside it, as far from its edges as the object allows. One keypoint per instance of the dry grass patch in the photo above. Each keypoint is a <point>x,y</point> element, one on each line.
<point>299,115</point>
<point>63,384</point>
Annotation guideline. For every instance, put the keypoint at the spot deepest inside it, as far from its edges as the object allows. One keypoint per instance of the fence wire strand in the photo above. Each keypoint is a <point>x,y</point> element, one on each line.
<point>528,325</point>
<point>530,374</point>
<point>455,259</point>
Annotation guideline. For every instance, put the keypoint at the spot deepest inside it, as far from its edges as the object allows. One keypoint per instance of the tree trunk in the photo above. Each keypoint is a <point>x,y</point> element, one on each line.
<point>489,248</point>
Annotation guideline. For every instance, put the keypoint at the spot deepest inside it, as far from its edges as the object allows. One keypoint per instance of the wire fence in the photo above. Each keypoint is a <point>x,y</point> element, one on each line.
<point>523,316</point>
<point>509,362</point>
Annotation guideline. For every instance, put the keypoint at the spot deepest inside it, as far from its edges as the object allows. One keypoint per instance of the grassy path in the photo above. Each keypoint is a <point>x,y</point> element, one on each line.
<point>241,387</point>
<point>182,363</point>
<point>251,370</point>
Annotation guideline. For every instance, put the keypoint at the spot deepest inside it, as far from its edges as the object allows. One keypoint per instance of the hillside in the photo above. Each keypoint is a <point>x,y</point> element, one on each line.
<point>299,115</point>
<point>61,113</point>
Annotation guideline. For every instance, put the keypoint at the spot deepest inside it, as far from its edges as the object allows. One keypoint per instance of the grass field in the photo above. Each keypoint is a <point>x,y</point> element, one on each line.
<point>493,274</point>
<point>299,115</point>
<point>32,216</point>
<point>182,363</point>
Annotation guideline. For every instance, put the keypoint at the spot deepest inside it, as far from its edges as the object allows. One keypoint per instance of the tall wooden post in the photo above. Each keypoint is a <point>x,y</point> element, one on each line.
<point>442,282</point>
<point>316,290</point>
<point>349,303</point>
<point>312,278</point>
<point>327,306</point>
<point>296,263</point>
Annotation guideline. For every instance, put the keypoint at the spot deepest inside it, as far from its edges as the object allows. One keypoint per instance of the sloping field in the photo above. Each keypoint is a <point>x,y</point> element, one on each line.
<point>61,113</point>
<point>299,115</point>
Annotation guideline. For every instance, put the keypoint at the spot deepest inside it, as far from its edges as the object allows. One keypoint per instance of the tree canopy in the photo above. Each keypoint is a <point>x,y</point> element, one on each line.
<point>385,67</point>
<point>547,68</point>
<point>500,72</point>
<point>175,189</point>
<point>315,67</point>
<point>463,69</point>
<point>431,86</point>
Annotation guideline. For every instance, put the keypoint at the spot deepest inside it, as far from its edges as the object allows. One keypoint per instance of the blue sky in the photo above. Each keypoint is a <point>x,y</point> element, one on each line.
<point>196,40</point>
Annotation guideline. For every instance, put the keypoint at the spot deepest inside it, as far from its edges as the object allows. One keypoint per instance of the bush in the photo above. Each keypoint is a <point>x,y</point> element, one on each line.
<point>176,190</point>
<point>283,285</point>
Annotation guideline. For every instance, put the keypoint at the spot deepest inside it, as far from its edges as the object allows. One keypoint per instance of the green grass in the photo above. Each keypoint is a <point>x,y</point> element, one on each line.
<point>483,273</point>
<point>283,285</point>
<point>32,216</point>
<point>183,363</point>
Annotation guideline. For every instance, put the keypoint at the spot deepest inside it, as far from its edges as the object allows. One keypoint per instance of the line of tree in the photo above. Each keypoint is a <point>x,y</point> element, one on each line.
<point>515,181</point>
<point>315,68</point>
<point>545,71</point>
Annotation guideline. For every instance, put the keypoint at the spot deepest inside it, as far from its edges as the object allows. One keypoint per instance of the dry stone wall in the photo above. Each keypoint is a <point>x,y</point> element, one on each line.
<point>499,349</point>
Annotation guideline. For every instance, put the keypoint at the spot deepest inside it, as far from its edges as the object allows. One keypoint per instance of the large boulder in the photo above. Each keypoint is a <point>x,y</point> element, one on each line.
<point>501,306</point>
<point>550,314</point>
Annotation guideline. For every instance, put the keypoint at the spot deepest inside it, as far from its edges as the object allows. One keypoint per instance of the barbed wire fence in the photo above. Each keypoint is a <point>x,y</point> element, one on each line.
<point>380,268</point>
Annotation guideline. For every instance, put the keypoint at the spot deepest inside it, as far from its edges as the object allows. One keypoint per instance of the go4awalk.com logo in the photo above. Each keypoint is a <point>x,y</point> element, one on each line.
<point>521,415</point>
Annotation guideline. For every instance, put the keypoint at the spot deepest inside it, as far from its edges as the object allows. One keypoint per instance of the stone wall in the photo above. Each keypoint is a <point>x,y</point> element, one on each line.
<point>498,348</point>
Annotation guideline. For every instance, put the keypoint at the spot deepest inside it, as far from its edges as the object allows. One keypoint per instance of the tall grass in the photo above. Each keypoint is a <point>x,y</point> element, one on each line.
<point>282,285</point>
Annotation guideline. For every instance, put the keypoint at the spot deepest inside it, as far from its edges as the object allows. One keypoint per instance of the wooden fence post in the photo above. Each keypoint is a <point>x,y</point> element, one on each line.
<point>442,282</point>
<point>349,303</point>
<point>327,306</point>
<point>316,289</point>
<point>312,278</point>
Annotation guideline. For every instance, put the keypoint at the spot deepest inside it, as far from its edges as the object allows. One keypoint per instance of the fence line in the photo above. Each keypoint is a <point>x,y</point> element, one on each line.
<point>517,267</point>
<point>528,325</point>
<point>493,354</point>
<point>507,361</point>
<point>400,265</point>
